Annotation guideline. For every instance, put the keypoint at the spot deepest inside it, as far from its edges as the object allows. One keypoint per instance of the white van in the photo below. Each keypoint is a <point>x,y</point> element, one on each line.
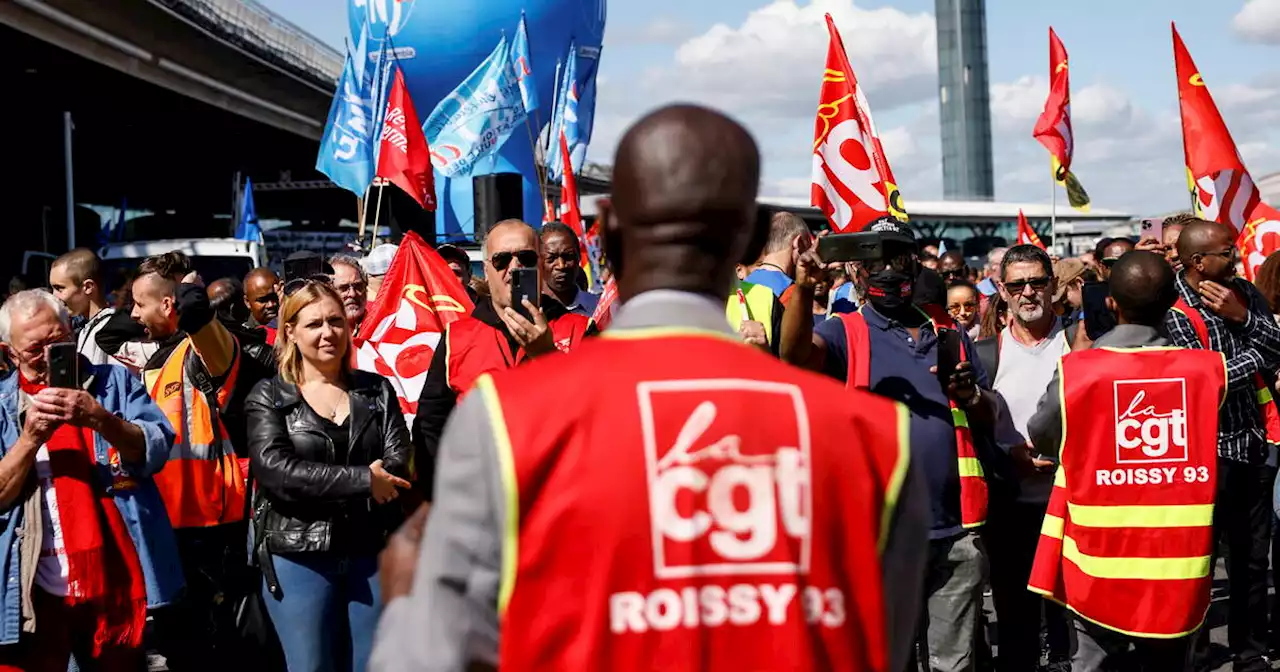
<point>213,258</point>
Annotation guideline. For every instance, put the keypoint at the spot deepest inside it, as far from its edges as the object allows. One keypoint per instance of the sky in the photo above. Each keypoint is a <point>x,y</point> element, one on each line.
<point>761,62</point>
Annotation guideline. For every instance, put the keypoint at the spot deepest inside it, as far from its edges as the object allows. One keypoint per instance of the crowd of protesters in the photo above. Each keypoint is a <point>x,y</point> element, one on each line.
<point>213,481</point>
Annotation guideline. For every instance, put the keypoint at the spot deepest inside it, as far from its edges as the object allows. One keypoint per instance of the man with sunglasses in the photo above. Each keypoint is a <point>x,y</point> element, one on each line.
<point>1021,360</point>
<point>494,337</point>
<point>1216,310</point>
<point>1108,252</point>
<point>892,348</point>
<point>953,268</point>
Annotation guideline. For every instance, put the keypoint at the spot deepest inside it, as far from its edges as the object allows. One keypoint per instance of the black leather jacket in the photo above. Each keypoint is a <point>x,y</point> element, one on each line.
<point>305,501</point>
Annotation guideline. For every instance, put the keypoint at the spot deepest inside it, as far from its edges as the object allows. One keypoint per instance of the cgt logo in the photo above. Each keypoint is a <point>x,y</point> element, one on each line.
<point>721,501</point>
<point>1151,420</point>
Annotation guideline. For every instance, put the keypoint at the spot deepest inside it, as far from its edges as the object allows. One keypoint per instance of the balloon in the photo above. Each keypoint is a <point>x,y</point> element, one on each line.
<point>439,42</point>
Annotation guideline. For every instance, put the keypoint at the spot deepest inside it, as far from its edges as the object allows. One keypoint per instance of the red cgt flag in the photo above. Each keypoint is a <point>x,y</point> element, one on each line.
<point>1026,234</point>
<point>853,184</point>
<point>569,212</point>
<point>404,159</point>
<point>419,297</point>
<point>603,316</point>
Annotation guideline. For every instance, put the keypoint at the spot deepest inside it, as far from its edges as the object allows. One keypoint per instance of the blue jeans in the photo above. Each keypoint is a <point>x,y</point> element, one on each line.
<point>328,610</point>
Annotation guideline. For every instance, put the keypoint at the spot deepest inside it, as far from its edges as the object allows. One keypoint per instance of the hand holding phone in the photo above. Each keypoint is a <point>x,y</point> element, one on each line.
<point>949,345</point>
<point>525,285</point>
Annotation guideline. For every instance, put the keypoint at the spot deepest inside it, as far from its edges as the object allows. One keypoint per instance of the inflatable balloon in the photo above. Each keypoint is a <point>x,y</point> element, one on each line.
<point>439,43</point>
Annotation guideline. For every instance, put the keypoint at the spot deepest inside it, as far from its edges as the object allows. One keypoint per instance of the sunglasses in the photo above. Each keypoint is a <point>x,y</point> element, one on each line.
<point>501,260</point>
<point>1016,287</point>
<point>292,287</point>
<point>1110,261</point>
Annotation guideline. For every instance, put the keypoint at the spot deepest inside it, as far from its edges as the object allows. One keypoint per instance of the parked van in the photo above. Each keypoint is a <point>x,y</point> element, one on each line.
<point>213,258</point>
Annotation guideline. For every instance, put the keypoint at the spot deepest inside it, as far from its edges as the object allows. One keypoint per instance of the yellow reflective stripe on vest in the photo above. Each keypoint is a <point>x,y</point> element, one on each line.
<point>1144,569</point>
<point>510,490</point>
<point>959,419</point>
<point>1174,515</point>
<point>1052,527</point>
<point>1060,477</point>
<point>970,466</point>
<point>897,477</point>
<point>1264,395</point>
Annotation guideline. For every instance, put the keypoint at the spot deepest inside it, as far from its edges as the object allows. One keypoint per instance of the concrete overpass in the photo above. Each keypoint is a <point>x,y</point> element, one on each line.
<point>170,100</point>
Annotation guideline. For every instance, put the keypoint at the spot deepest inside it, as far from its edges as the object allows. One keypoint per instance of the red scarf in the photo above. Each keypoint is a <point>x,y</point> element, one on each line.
<point>102,564</point>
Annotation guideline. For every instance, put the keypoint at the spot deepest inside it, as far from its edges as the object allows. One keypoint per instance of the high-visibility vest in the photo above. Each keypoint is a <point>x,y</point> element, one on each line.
<point>973,481</point>
<point>1266,407</point>
<point>1128,535</point>
<point>623,551</point>
<point>759,307</point>
<point>476,348</point>
<point>203,484</point>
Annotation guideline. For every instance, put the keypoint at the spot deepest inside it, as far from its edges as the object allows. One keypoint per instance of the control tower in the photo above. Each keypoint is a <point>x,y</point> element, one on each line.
<point>964,100</point>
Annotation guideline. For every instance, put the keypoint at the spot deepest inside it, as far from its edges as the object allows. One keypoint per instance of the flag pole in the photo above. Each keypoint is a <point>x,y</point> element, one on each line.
<point>377,211</point>
<point>1053,212</point>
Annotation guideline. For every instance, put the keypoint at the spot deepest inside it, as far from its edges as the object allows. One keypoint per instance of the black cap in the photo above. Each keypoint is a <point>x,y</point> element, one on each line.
<point>453,253</point>
<point>890,229</point>
<point>304,263</point>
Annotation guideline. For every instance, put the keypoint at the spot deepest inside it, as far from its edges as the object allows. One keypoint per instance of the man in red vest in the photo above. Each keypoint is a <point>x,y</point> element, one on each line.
<point>706,508</point>
<point>492,338</point>
<point>1128,535</point>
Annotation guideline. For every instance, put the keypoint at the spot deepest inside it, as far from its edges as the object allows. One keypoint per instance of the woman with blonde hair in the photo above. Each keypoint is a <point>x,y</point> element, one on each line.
<point>331,454</point>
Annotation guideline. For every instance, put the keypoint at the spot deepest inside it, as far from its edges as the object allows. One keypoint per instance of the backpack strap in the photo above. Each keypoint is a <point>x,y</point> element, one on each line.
<point>1196,319</point>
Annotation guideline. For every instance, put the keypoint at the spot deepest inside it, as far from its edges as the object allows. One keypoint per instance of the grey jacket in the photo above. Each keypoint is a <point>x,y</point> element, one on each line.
<point>1045,427</point>
<point>450,619</point>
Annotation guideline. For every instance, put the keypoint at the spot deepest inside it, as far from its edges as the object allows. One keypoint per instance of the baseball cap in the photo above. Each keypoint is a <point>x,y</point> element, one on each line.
<point>378,262</point>
<point>1064,271</point>
<point>453,253</point>
<point>305,263</point>
<point>890,229</point>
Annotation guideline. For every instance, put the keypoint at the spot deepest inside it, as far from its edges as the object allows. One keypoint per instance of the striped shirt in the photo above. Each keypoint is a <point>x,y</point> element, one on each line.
<point>1250,348</point>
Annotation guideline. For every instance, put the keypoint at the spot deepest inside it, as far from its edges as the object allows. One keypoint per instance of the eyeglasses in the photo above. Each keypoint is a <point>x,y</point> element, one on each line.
<point>296,284</point>
<point>501,260</point>
<point>357,287</point>
<point>954,273</point>
<point>1016,287</point>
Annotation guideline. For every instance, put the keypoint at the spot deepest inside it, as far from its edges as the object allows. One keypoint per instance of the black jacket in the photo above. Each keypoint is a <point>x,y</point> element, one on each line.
<point>306,502</point>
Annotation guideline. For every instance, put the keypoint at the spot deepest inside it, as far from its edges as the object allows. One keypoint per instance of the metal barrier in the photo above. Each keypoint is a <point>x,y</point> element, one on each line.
<point>254,28</point>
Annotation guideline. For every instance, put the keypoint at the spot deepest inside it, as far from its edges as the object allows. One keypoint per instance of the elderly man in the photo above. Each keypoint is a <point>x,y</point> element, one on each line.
<point>87,545</point>
<point>492,338</point>
<point>352,284</point>
<point>376,265</point>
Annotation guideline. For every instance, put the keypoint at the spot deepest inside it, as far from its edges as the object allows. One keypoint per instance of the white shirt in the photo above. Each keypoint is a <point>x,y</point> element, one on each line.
<point>1021,380</point>
<point>52,570</point>
<point>87,338</point>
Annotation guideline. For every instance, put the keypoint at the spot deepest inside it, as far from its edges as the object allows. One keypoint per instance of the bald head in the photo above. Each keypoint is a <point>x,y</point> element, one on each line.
<point>260,295</point>
<point>1201,237</point>
<point>685,181</point>
<point>1142,288</point>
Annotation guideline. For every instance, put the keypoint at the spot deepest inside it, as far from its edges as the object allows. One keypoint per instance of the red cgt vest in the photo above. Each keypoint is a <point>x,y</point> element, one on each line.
<point>475,348</point>
<point>973,482</point>
<point>1128,535</point>
<point>1270,414</point>
<point>708,507</point>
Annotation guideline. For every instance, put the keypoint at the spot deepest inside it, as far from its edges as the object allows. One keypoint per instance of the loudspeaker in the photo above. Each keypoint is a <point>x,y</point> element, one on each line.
<point>497,197</point>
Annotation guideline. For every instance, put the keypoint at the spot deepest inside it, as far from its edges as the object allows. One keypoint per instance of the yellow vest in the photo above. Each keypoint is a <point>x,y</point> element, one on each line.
<point>759,308</point>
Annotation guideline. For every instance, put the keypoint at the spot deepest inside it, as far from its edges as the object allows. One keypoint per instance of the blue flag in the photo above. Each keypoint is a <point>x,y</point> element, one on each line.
<point>565,119</point>
<point>477,117</point>
<point>247,228</point>
<point>346,150</point>
<point>523,64</point>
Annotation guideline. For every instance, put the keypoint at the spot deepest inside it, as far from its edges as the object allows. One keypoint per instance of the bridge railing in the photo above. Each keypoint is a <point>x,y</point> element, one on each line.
<point>260,31</point>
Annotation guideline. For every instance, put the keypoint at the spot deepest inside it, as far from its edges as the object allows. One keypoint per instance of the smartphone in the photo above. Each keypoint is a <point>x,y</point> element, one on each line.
<point>949,345</point>
<point>861,246</point>
<point>1098,320</point>
<point>1153,228</point>
<point>524,285</point>
<point>64,365</point>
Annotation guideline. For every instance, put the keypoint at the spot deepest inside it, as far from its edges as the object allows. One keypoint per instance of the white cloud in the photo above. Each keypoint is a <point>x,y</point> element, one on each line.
<point>1259,21</point>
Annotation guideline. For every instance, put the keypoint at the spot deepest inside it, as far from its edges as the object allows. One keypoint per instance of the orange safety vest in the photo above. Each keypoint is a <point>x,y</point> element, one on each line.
<point>1128,535</point>
<point>476,348</point>
<point>1270,414</point>
<point>706,507</point>
<point>203,483</point>
<point>973,482</point>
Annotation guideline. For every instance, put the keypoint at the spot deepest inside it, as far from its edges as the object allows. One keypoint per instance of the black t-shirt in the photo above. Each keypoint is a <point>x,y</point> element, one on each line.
<point>339,435</point>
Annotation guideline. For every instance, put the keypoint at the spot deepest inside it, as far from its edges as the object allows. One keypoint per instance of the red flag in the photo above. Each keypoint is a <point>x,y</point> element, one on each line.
<point>1053,128</point>
<point>852,182</point>
<point>605,309</point>
<point>404,159</point>
<point>420,295</point>
<point>1224,191</point>
<point>1260,238</point>
<point>569,213</point>
<point>1026,234</point>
